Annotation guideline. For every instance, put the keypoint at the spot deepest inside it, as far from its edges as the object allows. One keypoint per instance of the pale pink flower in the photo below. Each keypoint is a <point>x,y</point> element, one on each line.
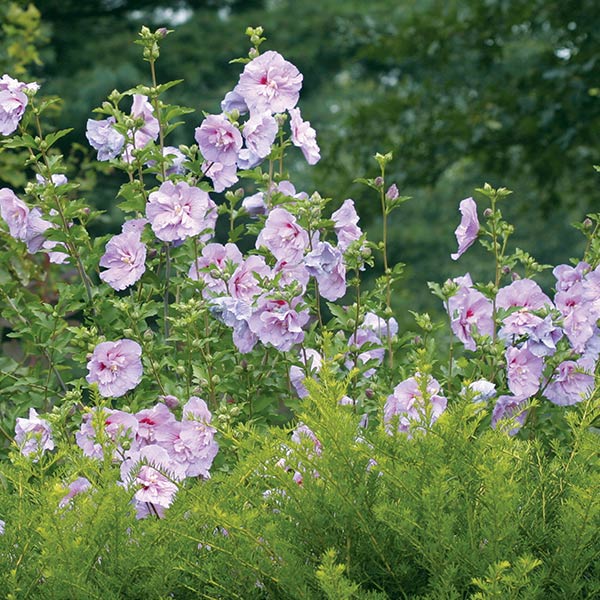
<point>124,260</point>
<point>219,140</point>
<point>177,211</point>
<point>304,137</point>
<point>259,132</point>
<point>345,224</point>
<point>283,236</point>
<point>466,233</point>
<point>524,371</point>
<point>116,367</point>
<point>222,176</point>
<point>269,83</point>
<point>569,384</point>
<point>211,266</point>
<point>33,435</point>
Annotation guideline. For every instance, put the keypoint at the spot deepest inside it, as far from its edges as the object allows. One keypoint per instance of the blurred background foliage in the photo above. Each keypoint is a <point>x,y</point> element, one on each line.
<point>462,92</point>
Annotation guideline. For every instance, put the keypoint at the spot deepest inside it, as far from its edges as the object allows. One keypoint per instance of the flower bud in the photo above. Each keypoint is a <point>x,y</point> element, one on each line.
<point>587,223</point>
<point>378,181</point>
<point>171,401</point>
<point>392,193</point>
<point>369,393</point>
<point>253,53</point>
<point>487,213</point>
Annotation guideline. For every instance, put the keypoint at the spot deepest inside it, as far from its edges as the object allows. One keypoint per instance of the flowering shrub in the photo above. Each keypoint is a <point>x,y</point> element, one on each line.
<point>247,301</point>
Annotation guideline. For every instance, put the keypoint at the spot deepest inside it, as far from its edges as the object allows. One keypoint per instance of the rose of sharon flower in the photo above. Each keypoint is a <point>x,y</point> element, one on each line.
<point>523,293</point>
<point>259,132</point>
<point>466,232</point>
<point>509,407</point>
<point>222,176</point>
<point>219,140</point>
<point>211,266</point>
<point>408,404</point>
<point>177,211</point>
<point>345,224</point>
<point>142,136</point>
<point>312,364</point>
<point>15,212</point>
<point>325,263</point>
<point>569,385</point>
<point>33,435</point>
<point>283,236</point>
<point>304,137</point>
<point>278,323</point>
<point>470,311</point>
<point>116,367</point>
<point>524,371</point>
<point>13,102</point>
<point>124,260</point>
<point>79,486</point>
<point>270,83</point>
<point>104,138</point>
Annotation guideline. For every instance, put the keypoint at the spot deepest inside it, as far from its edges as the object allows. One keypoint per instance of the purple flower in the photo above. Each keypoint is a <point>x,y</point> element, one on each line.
<point>56,179</point>
<point>219,140</point>
<point>33,435</point>
<point>523,293</point>
<point>35,229</point>
<point>244,283</point>
<point>299,374</point>
<point>233,101</point>
<point>104,138</point>
<point>79,486</point>
<point>345,224</point>
<point>326,264</point>
<point>270,83</point>
<point>579,316</point>
<point>524,371</point>
<point>151,421</point>
<point>482,390</point>
<point>151,472</point>
<point>2,526</point>
<point>283,236</point>
<point>116,367</point>
<point>124,259</point>
<point>177,211</point>
<point>211,267</point>
<point>222,176</point>
<point>255,205</point>
<point>175,161</point>
<point>509,408</point>
<point>408,404</point>
<point>13,102</point>
<point>278,323</point>
<point>287,274</point>
<point>540,334</point>
<point>466,233</point>
<point>303,434</point>
<point>149,130</point>
<point>104,424</point>
<point>566,275</point>
<point>569,385</point>
<point>304,137</point>
<point>259,132</point>
<point>247,160</point>
<point>470,311</point>
<point>15,212</point>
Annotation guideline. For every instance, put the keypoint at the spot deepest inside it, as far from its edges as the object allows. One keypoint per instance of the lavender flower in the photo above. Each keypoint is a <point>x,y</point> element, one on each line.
<point>15,212</point>
<point>408,405</point>
<point>325,263</point>
<point>259,132</point>
<point>304,137</point>
<point>124,259</point>
<point>211,266</point>
<point>104,138</point>
<point>116,367</point>
<point>278,323</point>
<point>233,101</point>
<point>466,233</point>
<point>177,211</point>
<point>509,408</point>
<point>569,385</point>
<point>470,311</point>
<point>524,371</point>
<point>269,83</point>
<point>219,140</point>
<point>523,293</point>
<point>222,176</point>
<point>345,224</point>
<point>283,236</point>
<point>79,486</point>
<point>13,102</point>
<point>33,435</point>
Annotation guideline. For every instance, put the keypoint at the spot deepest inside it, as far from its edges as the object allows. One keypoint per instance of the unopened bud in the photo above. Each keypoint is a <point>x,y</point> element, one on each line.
<point>587,223</point>
<point>392,192</point>
<point>369,393</point>
<point>505,270</point>
<point>170,401</point>
<point>162,32</point>
<point>487,213</point>
<point>253,53</point>
<point>378,181</point>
